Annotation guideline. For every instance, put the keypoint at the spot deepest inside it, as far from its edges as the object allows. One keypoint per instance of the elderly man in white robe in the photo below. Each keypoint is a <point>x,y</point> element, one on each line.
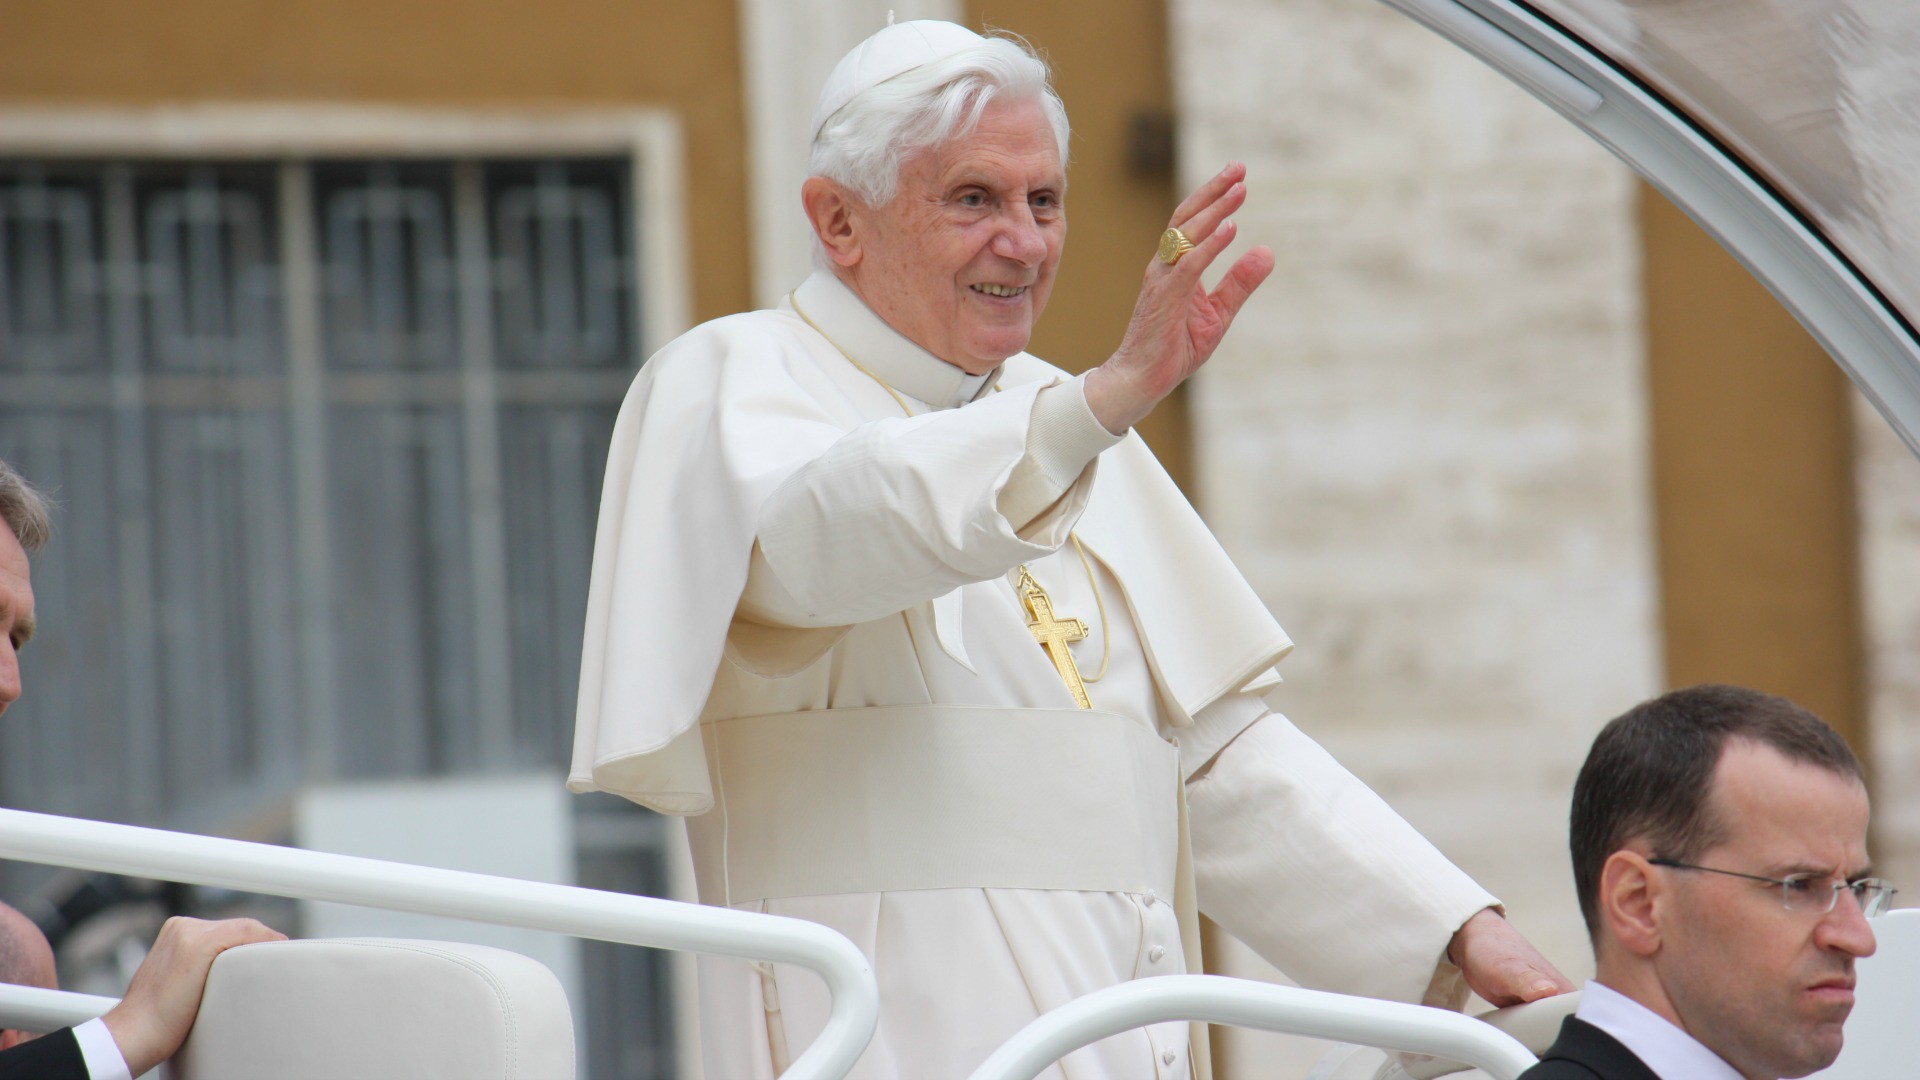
<point>931,650</point>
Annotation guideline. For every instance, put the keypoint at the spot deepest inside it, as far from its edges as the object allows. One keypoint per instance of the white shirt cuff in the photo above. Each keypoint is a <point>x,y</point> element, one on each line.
<point>1064,435</point>
<point>1063,439</point>
<point>100,1052</point>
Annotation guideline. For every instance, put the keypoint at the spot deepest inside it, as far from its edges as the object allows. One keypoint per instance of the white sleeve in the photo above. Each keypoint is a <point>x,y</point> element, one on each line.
<point>899,512</point>
<point>100,1052</point>
<point>1063,438</point>
<point>1297,858</point>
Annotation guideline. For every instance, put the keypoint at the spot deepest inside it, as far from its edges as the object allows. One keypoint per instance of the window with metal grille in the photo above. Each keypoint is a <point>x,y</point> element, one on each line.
<point>327,437</point>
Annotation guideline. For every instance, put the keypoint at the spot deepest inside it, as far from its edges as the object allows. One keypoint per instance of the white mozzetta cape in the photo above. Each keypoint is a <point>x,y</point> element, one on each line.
<point>727,414</point>
<point>777,538</point>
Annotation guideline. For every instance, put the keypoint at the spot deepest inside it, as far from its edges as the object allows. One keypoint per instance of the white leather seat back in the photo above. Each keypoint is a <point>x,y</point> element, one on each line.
<point>373,1008</point>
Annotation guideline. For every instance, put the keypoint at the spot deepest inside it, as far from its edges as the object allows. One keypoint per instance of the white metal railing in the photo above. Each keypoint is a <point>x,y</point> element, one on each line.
<point>346,879</point>
<point>1388,1024</point>
<point>30,1008</point>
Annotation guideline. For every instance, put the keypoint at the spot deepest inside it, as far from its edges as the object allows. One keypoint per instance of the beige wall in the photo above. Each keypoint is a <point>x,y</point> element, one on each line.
<point>1426,440</point>
<point>1753,475</point>
<point>1889,491</point>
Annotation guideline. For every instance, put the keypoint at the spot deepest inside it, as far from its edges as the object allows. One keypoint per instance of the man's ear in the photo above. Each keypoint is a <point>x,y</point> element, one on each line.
<point>830,210</point>
<point>1631,896</point>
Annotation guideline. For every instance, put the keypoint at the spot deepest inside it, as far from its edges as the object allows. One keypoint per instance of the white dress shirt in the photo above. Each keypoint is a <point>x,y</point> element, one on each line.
<point>100,1052</point>
<point>1671,1053</point>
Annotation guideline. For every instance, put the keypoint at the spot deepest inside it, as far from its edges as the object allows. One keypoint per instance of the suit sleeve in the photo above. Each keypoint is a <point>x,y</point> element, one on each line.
<point>54,1056</point>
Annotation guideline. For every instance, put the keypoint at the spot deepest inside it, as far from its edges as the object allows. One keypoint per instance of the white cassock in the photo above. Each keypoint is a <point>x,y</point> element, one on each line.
<point>803,628</point>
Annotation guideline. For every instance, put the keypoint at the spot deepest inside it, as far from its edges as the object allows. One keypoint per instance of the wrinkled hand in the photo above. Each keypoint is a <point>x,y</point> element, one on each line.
<point>153,1019</point>
<point>1176,322</point>
<point>1502,966</point>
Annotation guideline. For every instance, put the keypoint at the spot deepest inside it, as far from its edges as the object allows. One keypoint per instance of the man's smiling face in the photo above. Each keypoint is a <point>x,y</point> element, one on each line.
<point>962,260</point>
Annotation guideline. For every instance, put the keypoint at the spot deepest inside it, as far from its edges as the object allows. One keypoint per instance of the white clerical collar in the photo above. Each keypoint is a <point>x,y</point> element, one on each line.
<point>1671,1053</point>
<point>838,312</point>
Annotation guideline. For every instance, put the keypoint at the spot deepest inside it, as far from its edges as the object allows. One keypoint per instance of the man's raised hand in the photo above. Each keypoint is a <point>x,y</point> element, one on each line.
<point>1176,322</point>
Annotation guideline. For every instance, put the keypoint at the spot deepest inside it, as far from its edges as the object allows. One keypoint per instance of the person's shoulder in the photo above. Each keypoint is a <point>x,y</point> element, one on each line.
<point>754,353</point>
<point>747,337</point>
<point>1584,1052</point>
<point>756,360</point>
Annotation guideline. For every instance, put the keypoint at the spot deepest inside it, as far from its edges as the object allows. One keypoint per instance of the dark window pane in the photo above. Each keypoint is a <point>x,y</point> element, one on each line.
<point>559,232</point>
<point>554,458</point>
<point>50,270</point>
<point>209,260</point>
<point>402,581</point>
<point>385,234</point>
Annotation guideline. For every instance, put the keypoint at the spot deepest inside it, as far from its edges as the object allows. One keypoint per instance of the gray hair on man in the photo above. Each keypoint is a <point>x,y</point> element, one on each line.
<point>863,145</point>
<point>23,510</point>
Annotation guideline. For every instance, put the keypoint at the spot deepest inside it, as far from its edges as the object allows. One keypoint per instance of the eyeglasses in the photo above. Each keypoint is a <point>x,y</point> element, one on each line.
<point>1812,894</point>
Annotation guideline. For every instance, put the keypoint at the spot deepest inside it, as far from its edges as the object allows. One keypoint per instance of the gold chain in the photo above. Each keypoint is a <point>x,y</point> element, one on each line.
<point>794,299</point>
<point>1106,639</point>
<point>1099,601</point>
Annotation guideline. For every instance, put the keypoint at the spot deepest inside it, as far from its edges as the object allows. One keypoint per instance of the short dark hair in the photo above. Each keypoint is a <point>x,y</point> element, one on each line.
<point>1650,774</point>
<point>23,510</point>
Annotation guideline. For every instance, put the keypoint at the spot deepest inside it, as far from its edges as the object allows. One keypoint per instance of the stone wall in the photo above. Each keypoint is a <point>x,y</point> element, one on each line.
<point>1425,439</point>
<point>1889,491</point>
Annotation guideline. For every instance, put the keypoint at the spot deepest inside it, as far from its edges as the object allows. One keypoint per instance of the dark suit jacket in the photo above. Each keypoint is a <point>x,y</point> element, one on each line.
<point>54,1056</point>
<point>1584,1052</point>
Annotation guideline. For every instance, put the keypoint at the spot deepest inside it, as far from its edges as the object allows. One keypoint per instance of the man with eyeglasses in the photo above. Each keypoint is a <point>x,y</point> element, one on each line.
<point>150,1023</point>
<point>1719,842</point>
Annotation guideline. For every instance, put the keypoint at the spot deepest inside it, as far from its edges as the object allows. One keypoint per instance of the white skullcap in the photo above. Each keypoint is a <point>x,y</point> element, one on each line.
<point>895,50</point>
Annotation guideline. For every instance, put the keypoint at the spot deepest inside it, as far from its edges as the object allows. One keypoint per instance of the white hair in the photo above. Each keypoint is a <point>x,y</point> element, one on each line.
<point>864,145</point>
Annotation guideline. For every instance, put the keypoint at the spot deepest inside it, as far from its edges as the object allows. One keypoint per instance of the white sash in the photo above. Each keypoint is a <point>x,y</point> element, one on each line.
<point>936,797</point>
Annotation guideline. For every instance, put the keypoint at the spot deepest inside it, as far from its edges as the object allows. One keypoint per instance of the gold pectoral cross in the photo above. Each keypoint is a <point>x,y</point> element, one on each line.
<point>1053,634</point>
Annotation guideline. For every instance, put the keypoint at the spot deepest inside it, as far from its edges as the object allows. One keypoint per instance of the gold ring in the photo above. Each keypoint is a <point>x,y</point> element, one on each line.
<point>1173,244</point>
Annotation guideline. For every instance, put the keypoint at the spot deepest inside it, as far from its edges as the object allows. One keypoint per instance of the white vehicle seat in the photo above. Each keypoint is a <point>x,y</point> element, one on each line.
<point>373,1008</point>
<point>1882,1039</point>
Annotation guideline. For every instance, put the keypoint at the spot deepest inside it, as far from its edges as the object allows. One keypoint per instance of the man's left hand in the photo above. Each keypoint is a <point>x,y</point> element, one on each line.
<point>163,999</point>
<point>1502,966</point>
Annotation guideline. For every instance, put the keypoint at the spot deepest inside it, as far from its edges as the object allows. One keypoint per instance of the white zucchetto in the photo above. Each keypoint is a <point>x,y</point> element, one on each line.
<point>895,50</point>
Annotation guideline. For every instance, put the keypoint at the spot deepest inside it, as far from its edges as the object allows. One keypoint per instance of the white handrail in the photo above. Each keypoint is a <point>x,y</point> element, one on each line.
<point>566,909</point>
<point>1244,1003</point>
<point>30,1008</point>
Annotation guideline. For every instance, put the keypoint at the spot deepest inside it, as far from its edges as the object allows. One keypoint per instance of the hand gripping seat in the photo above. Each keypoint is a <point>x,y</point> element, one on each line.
<point>378,1008</point>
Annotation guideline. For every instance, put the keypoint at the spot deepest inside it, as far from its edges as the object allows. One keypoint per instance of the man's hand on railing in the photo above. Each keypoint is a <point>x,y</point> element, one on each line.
<point>1501,965</point>
<point>153,1019</point>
